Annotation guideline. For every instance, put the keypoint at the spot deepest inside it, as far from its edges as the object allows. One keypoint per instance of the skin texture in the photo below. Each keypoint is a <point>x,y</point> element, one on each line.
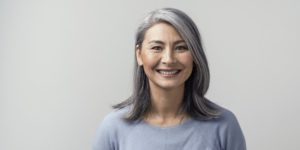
<point>164,50</point>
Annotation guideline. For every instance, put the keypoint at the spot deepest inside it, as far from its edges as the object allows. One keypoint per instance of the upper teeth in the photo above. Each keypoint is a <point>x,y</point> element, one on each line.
<point>168,72</point>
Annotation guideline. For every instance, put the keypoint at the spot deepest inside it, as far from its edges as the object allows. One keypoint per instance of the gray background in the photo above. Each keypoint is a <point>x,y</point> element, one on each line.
<point>64,63</point>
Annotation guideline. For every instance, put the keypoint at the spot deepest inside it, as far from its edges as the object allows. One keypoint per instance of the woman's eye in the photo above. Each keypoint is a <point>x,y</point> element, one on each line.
<point>181,48</point>
<point>158,48</point>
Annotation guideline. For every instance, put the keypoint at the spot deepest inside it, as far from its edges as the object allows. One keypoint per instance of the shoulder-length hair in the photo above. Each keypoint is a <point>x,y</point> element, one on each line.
<point>194,102</point>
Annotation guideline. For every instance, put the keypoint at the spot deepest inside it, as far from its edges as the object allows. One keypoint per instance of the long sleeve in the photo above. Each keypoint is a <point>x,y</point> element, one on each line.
<point>232,135</point>
<point>104,136</point>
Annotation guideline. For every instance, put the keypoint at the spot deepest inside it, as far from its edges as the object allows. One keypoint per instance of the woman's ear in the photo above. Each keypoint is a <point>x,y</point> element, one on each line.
<point>138,54</point>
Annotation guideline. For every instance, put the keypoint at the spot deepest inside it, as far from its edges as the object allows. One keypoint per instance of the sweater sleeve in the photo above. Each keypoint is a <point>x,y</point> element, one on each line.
<point>105,138</point>
<point>232,137</point>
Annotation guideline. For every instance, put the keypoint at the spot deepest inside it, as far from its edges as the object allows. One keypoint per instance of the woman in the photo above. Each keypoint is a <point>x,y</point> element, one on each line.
<point>168,109</point>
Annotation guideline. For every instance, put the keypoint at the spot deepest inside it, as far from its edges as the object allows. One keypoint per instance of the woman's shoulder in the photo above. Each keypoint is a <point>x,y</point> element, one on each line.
<point>109,129</point>
<point>226,116</point>
<point>115,117</point>
<point>229,130</point>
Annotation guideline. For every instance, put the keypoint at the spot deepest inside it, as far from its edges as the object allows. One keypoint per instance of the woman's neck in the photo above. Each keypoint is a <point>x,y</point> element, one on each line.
<point>166,104</point>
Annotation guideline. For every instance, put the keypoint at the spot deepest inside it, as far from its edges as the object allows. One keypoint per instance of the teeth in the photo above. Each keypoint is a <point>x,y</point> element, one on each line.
<point>168,72</point>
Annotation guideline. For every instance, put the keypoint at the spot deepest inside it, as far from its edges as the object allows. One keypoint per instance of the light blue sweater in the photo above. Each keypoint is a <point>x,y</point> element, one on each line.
<point>223,133</point>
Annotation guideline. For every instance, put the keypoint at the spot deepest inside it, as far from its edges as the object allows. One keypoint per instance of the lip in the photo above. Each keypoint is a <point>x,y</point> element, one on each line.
<point>168,73</point>
<point>167,69</point>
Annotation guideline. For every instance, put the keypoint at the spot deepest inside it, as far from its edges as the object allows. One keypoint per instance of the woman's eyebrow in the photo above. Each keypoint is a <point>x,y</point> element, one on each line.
<point>156,42</point>
<point>161,42</point>
<point>179,41</point>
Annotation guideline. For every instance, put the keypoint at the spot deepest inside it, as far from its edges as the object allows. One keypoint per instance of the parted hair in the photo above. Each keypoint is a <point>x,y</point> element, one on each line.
<point>195,104</point>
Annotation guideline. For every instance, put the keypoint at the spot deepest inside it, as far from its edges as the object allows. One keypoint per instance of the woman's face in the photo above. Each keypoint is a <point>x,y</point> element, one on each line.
<point>165,57</point>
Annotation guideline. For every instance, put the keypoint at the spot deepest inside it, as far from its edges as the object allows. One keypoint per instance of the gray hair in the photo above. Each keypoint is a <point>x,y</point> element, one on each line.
<point>194,103</point>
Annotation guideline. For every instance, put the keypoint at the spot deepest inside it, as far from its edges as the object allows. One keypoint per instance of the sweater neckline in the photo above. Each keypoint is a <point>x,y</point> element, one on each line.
<point>184,123</point>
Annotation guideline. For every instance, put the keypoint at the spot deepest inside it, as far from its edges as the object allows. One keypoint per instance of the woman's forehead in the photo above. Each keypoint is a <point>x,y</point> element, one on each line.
<point>162,32</point>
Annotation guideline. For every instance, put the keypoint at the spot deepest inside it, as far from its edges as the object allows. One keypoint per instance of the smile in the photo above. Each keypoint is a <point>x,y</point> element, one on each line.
<point>168,72</point>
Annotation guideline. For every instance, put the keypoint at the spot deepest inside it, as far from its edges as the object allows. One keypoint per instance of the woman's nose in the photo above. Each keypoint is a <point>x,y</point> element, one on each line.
<point>168,56</point>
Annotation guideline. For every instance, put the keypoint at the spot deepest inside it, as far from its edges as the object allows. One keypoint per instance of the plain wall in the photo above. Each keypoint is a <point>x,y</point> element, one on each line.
<point>64,63</point>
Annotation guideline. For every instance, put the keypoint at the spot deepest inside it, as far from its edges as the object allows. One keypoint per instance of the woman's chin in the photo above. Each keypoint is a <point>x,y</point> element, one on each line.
<point>167,85</point>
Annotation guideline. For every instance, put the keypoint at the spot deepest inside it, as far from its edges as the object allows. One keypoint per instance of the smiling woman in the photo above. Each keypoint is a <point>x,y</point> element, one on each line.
<point>168,108</point>
<point>165,58</point>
